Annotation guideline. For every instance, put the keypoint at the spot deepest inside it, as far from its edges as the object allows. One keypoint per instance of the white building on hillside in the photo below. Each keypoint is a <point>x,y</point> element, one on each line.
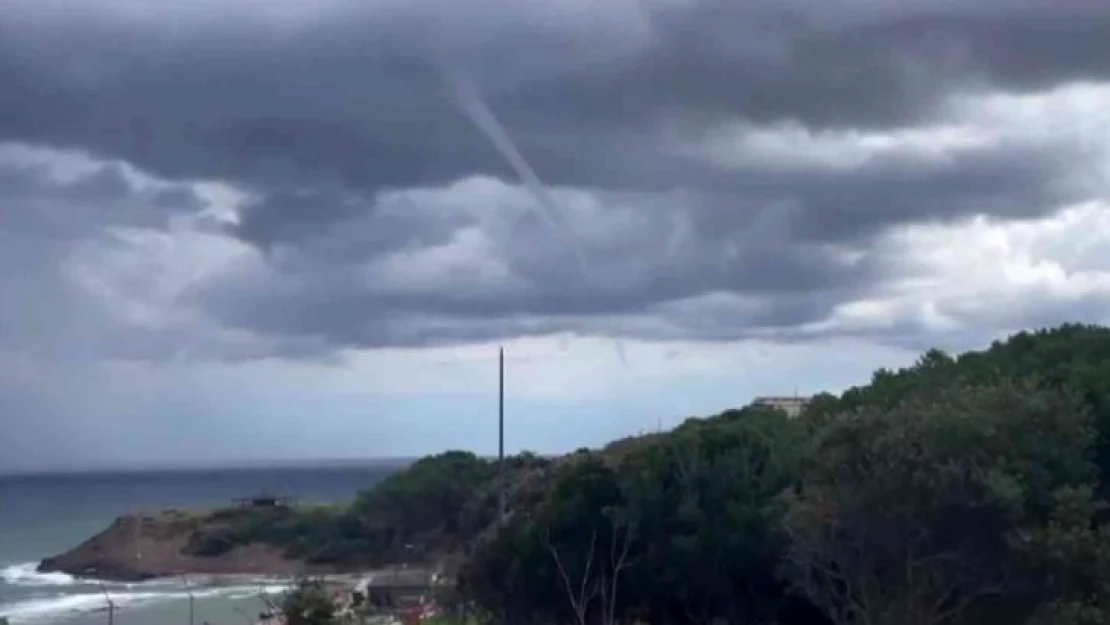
<point>792,406</point>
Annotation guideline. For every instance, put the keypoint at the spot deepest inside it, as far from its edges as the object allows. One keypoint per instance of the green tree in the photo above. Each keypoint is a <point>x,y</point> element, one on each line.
<point>682,529</point>
<point>308,603</point>
<point>914,514</point>
<point>710,529</point>
<point>563,560</point>
<point>1071,357</point>
<point>589,529</point>
<point>426,501</point>
<point>509,574</point>
<point>1077,552</point>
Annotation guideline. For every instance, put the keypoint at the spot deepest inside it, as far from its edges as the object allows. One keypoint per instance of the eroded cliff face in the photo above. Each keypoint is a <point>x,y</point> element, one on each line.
<point>137,547</point>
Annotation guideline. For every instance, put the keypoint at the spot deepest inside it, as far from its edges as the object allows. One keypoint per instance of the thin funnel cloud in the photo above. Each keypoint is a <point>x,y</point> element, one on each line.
<point>483,118</point>
<point>475,108</point>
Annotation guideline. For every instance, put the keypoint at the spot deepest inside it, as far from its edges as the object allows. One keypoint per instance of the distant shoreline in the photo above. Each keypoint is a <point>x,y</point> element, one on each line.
<point>287,465</point>
<point>141,547</point>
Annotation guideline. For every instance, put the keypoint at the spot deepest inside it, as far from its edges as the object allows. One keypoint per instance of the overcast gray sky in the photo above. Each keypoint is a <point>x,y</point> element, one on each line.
<point>249,230</point>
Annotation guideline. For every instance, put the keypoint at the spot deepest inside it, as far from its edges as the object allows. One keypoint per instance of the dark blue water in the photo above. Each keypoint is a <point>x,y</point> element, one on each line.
<point>44,515</point>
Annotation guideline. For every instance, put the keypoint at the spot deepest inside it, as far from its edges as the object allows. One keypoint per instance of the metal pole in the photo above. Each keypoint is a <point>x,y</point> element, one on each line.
<point>501,454</point>
<point>501,433</point>
<point>192,599</point>
<point>111,604</point>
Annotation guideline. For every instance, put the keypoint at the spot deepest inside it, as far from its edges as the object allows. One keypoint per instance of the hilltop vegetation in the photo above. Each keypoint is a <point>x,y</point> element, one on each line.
<point>434,507</point>
<point>426,513</point>
<point>961,490</point>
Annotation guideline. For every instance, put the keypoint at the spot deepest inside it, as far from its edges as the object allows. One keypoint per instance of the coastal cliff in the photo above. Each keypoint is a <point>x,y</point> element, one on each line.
<point>137,547</point>
<point>427,513</point>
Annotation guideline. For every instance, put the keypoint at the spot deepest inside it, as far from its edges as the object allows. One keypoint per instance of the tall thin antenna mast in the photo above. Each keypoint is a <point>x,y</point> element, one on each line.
<point>501,432</point>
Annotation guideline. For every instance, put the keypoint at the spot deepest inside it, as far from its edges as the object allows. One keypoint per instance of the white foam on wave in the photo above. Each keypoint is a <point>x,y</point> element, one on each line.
<point>31,610</point>
<point>67,605</point>
<point>124,596</point>
<point>264,590</point>
<point>27,574</point>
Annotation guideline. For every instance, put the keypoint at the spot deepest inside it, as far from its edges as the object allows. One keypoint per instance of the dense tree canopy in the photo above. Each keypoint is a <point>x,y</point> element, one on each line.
<point>967,489</point>
<point>917,514</point>
<point>436,506</point>
<point>960,490</point>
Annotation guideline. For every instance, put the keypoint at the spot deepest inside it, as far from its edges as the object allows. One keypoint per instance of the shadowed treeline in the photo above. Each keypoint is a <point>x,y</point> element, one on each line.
<point>961,490</point>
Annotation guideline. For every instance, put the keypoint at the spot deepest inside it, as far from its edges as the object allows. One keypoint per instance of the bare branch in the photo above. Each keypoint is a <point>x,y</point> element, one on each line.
<point>580,602</point>
<point>618,561</point>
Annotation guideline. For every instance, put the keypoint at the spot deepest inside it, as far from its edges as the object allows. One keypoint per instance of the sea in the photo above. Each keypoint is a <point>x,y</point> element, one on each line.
<point>42,515</point>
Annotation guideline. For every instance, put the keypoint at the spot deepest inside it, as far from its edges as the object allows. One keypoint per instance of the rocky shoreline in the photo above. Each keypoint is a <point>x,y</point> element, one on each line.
<point>138,547</point>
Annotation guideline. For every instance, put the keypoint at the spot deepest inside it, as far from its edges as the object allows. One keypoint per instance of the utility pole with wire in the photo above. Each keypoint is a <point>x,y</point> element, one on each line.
<point>192,598</point>
<point>501,435</point>
<point>111,604</point>
<point>501,500</point>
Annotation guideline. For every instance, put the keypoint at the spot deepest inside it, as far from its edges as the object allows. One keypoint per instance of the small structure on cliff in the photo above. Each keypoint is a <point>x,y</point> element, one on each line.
<point>264,500</point>
<point>792,406</point>
<point>403,587</point>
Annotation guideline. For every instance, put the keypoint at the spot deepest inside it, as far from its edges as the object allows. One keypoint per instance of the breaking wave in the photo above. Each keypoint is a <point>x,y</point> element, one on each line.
<point>73,597</point>
<point>28,575</point>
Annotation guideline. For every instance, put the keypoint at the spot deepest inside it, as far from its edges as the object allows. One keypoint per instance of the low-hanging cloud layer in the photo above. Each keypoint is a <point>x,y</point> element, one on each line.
<point>193,188</point>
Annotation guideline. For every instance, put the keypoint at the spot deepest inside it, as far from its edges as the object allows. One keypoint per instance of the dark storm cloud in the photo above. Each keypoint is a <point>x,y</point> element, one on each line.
<point>831,204</point>
<point>634,269</point>
<point>327,120</point>
<point>843,64</point>
<point>37,201</point>
<point>47,211</point>
<point>768,238</point>
<point>356,95</point>
<point>346,318</point>
<point>298,214</point>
